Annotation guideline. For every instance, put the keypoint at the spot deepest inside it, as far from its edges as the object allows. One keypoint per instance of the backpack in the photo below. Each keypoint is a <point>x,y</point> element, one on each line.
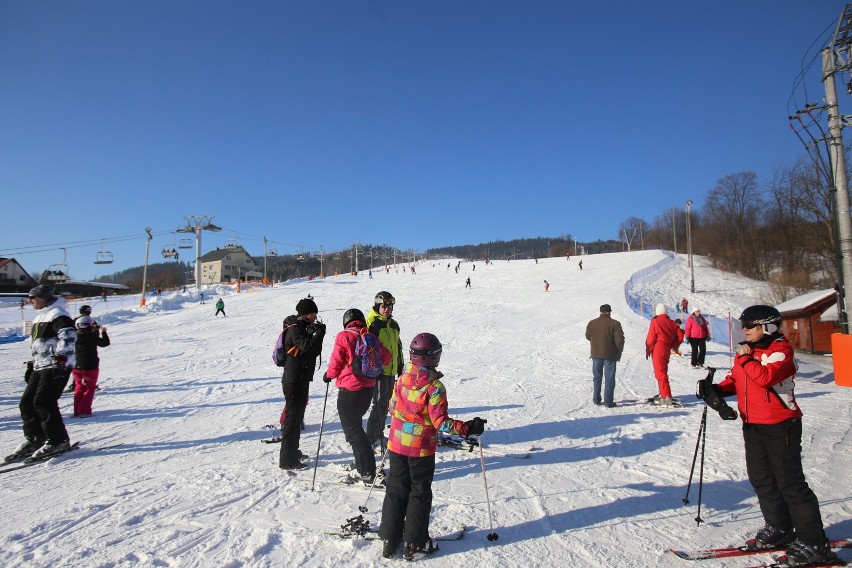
<point>279,356</point>
<point>367,357</point>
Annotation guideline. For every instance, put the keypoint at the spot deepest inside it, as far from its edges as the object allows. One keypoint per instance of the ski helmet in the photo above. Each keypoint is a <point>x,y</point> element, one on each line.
<point>761,315</point>
<point>353,314</point>
<point>425,350</point>
<point>84,322</point>
<point>384,298</point>
<point>85,309</point>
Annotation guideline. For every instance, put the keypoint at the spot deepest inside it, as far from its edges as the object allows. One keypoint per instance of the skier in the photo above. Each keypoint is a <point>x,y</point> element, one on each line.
<point>698,333</point>
<point>683,306</point>
<point>85,310</point>
<point>546,286</point>
<point>355,394</point>
<point>90,336</point>
<point>581,265</point>
<point>220,307</point>
<point>661,339</point>
<point>201,294</point>
<point>47,374</point>
<point>303,344</point>
<point>380,323</point>
<point>467,282</point>
<point>418,413</point>
<point>680,336</point>
<point>762,379</point>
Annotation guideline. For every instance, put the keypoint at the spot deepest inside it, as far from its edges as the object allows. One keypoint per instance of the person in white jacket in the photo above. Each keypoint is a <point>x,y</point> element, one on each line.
<point>53,339</point>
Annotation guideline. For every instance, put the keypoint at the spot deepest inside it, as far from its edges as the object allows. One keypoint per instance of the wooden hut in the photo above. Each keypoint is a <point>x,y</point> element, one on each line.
<point>810,319</point>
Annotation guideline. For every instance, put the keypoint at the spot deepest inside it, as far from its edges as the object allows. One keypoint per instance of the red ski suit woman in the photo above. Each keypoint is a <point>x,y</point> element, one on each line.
<point>662,338</point>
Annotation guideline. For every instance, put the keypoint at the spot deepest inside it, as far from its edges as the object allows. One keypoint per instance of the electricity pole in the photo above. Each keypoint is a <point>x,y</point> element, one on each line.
<point>145,269</point>
<point>689,248</point>
<point>836,59</point>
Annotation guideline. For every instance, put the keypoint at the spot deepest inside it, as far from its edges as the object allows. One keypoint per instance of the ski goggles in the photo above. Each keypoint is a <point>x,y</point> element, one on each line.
<point>750,324</point>
<point>388,302</point>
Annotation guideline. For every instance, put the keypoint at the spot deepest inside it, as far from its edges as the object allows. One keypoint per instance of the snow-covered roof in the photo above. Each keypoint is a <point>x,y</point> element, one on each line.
<point>801,302</point>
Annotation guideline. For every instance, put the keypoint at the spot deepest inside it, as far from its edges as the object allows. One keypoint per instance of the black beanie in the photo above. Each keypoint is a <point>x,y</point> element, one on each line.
<point>306,306</point>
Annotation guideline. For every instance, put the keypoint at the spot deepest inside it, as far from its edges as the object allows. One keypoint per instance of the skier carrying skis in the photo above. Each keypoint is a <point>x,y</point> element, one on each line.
<point>762,379</point>
<point>356,392</point>
<point>47,374</point>
<point>303,344</point>
<point>661,339</point>
<point>418,412</point>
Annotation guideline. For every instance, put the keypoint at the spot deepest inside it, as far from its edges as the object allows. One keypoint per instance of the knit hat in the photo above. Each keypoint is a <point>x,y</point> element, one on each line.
<point>83,322</point>
<point>605,309</point>
<point>42,291</point>
<point>306,306</point>
<point>661,309</point>
<point>85,309</point>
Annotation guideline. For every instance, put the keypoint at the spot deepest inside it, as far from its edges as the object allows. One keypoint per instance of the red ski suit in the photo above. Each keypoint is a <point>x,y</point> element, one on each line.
<point>662,338</point>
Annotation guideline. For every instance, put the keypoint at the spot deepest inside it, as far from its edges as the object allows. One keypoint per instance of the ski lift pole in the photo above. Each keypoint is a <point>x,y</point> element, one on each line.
<point>145,269</point>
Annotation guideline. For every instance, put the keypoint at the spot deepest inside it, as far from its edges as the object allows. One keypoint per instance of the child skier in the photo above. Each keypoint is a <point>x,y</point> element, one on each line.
<point>90,336</point>
<point>356,392</point>
<point>418,410</point>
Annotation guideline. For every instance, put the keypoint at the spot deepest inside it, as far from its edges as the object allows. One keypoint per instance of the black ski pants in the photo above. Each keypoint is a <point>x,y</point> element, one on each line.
<point>40,406</point>
<point>379,413</point>
<point>699,350</point>
<point>351,408</point>
<point>295,397</point>
<point>408,499</point>
<point>774,463</point>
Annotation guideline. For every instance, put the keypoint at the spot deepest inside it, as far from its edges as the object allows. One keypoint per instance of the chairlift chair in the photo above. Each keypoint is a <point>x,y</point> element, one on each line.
<point>103,256</point>
<point>58,272</point>
<point>232,244</point>
<point>185,243</point>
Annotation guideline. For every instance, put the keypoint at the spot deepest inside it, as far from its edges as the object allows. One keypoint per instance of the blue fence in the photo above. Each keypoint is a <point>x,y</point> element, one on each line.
<point>724,328</point>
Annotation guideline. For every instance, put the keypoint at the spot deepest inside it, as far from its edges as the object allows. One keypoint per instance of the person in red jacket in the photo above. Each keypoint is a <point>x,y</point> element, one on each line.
<point>356,392</point>
<point>762,378</point>
<point>661,339</point>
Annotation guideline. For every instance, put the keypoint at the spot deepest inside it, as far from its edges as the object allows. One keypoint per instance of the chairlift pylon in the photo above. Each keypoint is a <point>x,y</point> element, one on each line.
<point>103,256</point>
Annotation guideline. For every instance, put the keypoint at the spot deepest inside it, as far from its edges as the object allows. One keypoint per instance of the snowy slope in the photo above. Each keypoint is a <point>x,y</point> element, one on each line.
<point>186,396</point>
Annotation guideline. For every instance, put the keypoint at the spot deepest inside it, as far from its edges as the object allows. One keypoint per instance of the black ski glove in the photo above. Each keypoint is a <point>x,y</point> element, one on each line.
<point>475,427</point>
<point>326,379</point>
<point>28,372</point>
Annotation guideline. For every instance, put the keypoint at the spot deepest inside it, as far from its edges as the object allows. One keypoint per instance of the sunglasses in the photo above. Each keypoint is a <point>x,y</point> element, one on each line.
<point>750,325</point>
<point>387,305</point>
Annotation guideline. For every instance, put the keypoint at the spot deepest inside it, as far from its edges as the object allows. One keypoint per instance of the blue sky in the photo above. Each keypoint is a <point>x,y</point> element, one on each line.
<point>411,124</point>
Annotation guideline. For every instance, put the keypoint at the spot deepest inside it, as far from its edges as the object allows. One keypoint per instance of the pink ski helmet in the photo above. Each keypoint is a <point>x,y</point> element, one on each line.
<point>425,350</point>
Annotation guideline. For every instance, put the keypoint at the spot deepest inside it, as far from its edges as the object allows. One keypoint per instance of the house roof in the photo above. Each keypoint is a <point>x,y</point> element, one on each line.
<point>806,301</point>
<point>221,253</point>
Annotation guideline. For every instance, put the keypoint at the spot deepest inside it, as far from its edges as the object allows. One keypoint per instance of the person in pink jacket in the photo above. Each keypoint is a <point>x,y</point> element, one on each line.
<point>355,394</point>
<point>698,334</point>
<point>662,337</point>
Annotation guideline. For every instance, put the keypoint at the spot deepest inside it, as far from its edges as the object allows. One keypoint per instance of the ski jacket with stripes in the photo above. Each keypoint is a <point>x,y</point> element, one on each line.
<point>53,335</point>
<point>340,361</point>
<point>387,330</point>
<point>764,382</point>
<point>418,409</point>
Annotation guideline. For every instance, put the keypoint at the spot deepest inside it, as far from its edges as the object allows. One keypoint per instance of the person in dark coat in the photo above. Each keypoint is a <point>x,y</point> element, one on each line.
<point>303,344</point>
<point>607,343</point>
<point>90,336</point>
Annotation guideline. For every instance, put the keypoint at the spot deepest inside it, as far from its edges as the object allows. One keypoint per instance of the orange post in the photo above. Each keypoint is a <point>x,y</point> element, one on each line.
<point>841,349</point>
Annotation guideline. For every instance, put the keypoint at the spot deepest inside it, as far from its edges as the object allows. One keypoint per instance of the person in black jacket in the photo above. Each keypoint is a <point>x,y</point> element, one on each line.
<point>90,336</point>
<point>303,344</point>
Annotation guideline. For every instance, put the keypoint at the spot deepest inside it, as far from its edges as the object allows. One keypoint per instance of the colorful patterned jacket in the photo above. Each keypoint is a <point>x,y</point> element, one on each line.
<point>53,336</point>
<point>418,409</point>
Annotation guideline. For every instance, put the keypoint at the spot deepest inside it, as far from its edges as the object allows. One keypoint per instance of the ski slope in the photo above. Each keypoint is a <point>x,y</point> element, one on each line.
<point>171,471</point>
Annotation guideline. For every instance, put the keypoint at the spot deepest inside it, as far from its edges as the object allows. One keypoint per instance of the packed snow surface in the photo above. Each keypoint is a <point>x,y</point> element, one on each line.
<point>171,470</point>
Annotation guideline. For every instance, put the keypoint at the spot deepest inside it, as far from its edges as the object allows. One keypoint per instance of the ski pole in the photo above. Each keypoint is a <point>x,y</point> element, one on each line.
<point>363,508</point>
<point>695,455</point>
<point>319,442</point>
<point>492,536</point>
<point>698,518</point>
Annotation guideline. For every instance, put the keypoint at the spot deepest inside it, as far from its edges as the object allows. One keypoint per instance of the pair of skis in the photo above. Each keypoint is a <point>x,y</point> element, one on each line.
<point>359,527</point>
<point>472,445</point>
<point>14,465</point>
<point>728,552</point>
